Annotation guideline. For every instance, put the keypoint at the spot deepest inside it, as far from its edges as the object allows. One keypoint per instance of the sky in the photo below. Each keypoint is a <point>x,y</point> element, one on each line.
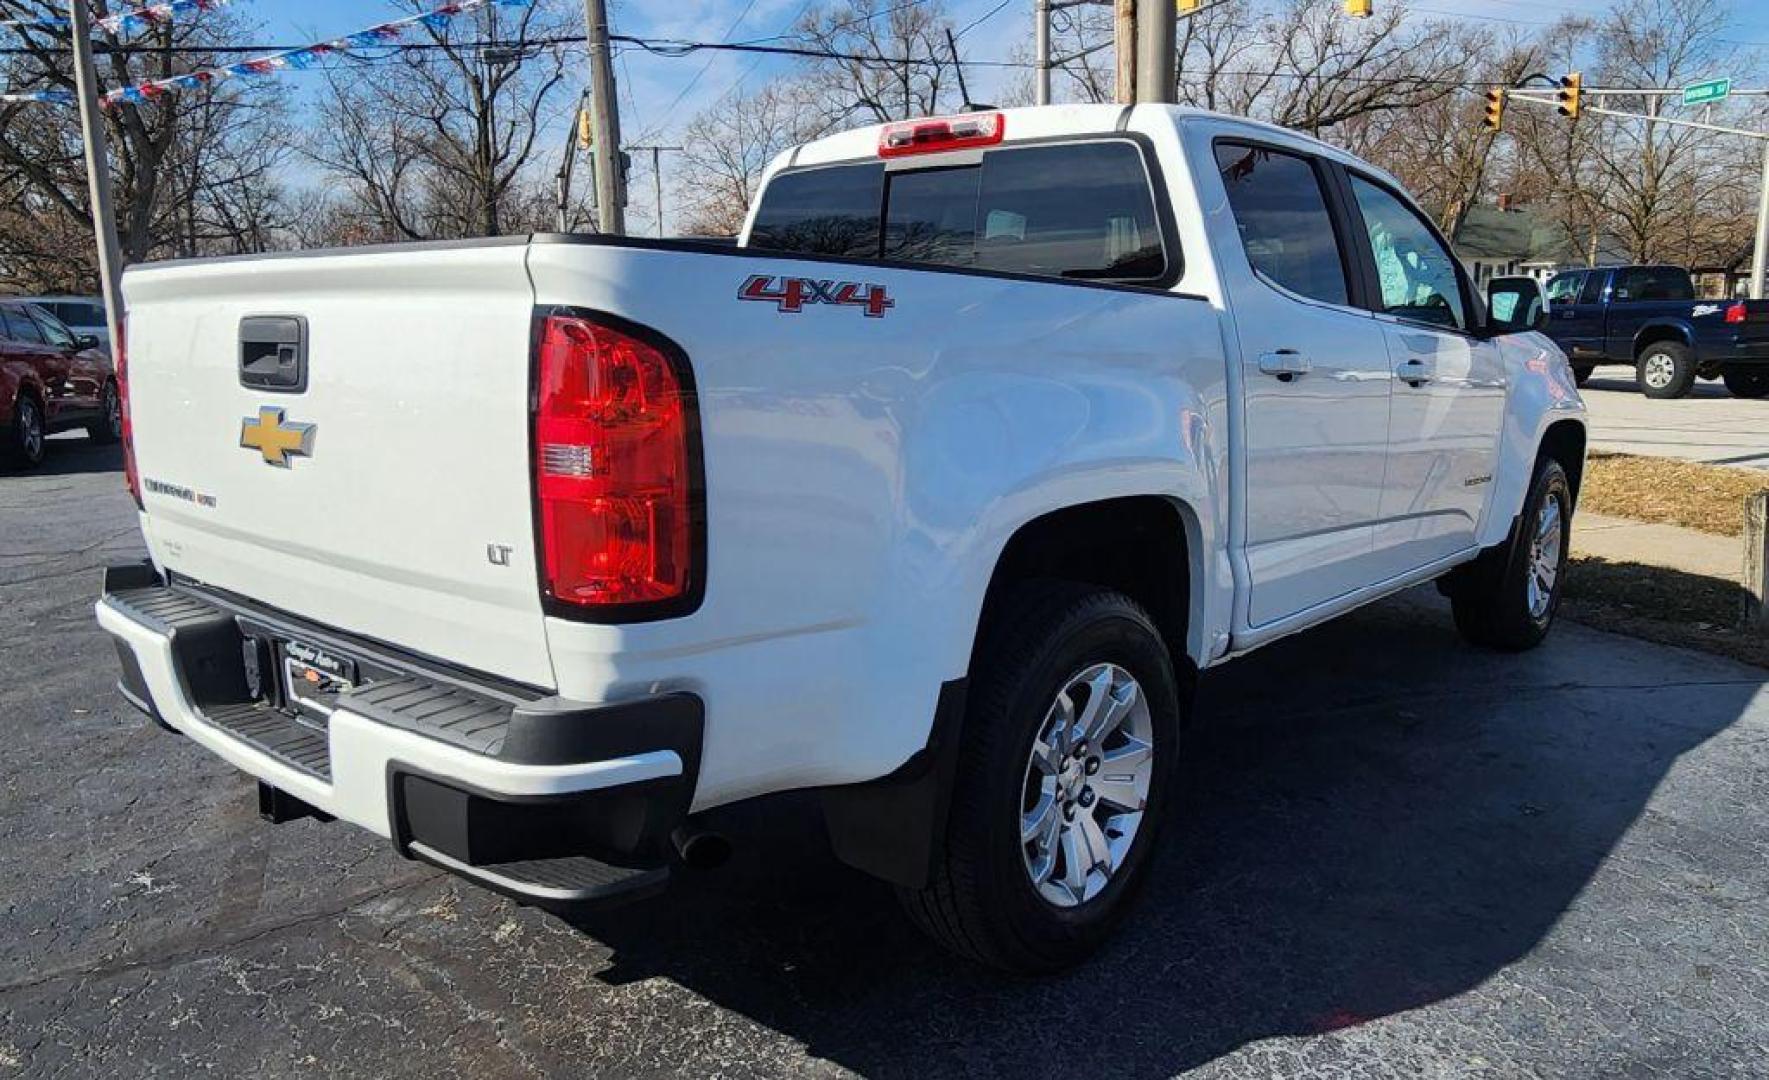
<point>659,94</point>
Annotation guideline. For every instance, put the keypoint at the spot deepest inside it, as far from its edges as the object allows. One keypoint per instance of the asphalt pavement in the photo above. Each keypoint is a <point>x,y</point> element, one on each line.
<point>1395,856</point>
<point>1709,425</point>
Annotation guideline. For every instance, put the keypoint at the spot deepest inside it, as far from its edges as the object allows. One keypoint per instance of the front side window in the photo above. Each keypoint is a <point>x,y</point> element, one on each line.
<point>1281,213</point>
<point>18,326</point>
<point>1416,271</point>
<point>1564,288</point>
<point>53,331</point>
<point>1076,210</point>
<point>832,211</point>
<point>1593,290</point>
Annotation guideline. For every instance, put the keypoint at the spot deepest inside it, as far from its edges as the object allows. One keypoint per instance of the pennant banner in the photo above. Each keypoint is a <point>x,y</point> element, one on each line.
<point>304,57</point>
<point>126,22</point>
<point>51,97</point>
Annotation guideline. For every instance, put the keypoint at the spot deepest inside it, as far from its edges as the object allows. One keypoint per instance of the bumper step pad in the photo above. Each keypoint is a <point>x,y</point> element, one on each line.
<point>277,734</point>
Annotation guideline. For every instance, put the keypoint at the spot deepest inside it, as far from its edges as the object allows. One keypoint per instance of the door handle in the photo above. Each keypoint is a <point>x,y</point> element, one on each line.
<point>1286,364</point>
<point>1414,372</point>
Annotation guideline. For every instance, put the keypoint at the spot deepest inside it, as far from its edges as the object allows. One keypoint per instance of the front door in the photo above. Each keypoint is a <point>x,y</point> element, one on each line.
<point>1315,372</point>
<point>1448,403</point>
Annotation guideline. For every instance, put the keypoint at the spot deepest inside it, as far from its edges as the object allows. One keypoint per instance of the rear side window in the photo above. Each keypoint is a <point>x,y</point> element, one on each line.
<point>1281,213</point>
<point>831,211</point>
<point>1653,283</point>
<point>1076,210</point>
<point>1564,288</point>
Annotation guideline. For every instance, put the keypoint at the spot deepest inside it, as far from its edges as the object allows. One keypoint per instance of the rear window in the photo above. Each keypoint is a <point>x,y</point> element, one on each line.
<point>1075,210</point>
<point>831,211</point>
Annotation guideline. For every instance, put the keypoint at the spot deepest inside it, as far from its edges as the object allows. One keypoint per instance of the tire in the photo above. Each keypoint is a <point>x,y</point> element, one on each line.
<point>108,429</point>
<point>1494,602</point>
<point>25,444</point>
<point>1751,382</point>
<point>1665,369</point>
<point>1047,640</point>
<point>1581,373</point>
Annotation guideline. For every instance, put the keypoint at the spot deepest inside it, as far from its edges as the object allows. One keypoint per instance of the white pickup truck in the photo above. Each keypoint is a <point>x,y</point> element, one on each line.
<point>934,494</point>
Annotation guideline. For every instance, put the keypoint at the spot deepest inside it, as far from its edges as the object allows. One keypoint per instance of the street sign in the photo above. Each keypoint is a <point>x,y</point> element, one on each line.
<point>1706,93</point>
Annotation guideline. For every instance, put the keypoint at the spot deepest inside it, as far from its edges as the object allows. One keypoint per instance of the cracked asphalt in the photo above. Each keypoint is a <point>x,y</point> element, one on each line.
<point>1395,856</point>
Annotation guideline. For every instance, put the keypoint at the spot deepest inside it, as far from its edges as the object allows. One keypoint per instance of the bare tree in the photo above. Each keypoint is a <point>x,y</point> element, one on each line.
<point>185,167</point>
<point>729,145</point>
<point>443,142</point>
<point>893,61</point>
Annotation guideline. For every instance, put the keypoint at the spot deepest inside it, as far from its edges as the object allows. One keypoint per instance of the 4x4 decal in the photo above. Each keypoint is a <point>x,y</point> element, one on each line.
<point>791,294</point>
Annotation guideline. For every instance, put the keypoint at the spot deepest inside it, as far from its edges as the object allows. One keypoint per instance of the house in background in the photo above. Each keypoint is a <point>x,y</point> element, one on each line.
<point>1506,240</point>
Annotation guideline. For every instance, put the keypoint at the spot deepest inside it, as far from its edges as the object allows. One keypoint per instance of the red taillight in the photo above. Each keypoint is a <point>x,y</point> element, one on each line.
<point>1737,313</point>
<point>941,133</point>
<point>120,359</point>
<point>613,475</point>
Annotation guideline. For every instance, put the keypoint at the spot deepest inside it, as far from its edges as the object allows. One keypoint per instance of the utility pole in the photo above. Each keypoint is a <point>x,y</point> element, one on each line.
<point>611,196</point>
<point>1124,43</point>
<point>1762,249</point>
<point>1041,50</point>
<point>575,138</point>
<point>1155,62</point>
<point>657,179</point>
<point>98,170</point>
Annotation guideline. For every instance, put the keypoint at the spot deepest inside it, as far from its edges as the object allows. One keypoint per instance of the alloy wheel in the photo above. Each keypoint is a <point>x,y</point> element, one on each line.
<point>1086,786</point>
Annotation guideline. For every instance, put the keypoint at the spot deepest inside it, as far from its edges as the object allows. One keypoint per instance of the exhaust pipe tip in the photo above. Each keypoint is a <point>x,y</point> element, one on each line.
<point>700,849</point>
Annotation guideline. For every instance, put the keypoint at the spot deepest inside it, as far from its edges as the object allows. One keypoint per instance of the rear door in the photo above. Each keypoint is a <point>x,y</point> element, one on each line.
<point>1449,385</point>
<point>345,436</point>
<point>1315,372</point>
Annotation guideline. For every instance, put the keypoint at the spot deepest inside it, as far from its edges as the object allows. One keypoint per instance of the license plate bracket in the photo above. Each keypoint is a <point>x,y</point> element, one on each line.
<point>314,677</point>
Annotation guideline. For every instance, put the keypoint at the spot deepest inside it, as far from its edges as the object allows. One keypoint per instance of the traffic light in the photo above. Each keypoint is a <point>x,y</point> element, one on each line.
<point>586,135</point>
<point>1495,109</point>
<point>1360,9</point>
<point>1572,95</point>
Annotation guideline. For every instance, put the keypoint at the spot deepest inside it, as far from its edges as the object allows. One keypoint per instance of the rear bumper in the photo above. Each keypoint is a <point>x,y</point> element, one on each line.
<point>552,801</point>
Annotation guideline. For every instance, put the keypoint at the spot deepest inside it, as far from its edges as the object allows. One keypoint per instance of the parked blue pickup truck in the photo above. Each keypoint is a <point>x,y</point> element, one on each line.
<point>1649,317</point>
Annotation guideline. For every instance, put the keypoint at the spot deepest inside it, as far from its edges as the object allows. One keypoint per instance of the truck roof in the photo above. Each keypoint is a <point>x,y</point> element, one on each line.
<point>1055,121</point>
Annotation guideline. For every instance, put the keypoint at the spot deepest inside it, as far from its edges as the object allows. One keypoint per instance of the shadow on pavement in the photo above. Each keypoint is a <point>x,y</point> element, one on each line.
<point>69,456</point>
<point>1376,818</point>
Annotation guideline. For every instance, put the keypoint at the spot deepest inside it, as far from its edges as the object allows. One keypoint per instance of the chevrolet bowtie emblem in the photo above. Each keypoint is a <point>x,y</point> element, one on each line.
<point>277,441</point>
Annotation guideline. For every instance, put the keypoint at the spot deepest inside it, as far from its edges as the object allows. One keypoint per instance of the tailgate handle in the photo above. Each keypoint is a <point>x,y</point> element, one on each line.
<point>273,353</point>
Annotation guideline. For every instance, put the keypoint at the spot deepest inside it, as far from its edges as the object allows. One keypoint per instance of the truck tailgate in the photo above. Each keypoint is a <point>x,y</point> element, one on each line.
<point>389,494</point>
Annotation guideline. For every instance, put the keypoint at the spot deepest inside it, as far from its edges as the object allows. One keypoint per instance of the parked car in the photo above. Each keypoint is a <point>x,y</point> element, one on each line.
<point>934,495</point>
<point>84,315</point>
<point>1649,318</point>
<point>51,380</point>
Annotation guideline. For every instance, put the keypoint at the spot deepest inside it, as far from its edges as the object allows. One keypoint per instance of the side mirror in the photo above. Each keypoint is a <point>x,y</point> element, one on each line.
<point>85,341</point>
<point>1516,305</point>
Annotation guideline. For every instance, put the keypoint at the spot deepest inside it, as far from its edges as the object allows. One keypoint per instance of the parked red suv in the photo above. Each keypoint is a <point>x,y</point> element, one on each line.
<point>51,380</point>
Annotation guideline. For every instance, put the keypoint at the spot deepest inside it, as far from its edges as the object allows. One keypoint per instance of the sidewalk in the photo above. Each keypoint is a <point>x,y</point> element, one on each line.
<point>1621,540</point>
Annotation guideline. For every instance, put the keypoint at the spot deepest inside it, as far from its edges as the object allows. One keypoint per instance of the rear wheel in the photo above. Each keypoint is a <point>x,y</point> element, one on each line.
<point>1751,382</point>
<point>1507,598</point>
<point>1064,773</point>
<point>108,428</point>
<point>1665,369</point>
<point>25,447</point>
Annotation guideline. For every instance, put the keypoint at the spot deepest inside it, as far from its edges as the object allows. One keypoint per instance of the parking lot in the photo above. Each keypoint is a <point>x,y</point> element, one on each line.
<point>1395,856</point>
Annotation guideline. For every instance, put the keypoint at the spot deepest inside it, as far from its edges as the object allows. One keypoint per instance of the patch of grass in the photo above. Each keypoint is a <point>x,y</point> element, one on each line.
<point>1664,605</point>
<point>1671,492</point>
